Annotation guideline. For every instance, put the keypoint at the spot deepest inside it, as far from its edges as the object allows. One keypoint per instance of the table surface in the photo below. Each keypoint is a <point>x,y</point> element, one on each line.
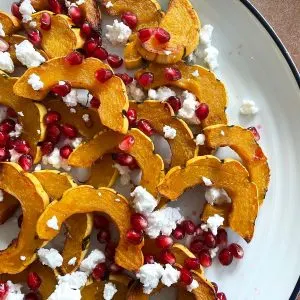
<point>284,17</point>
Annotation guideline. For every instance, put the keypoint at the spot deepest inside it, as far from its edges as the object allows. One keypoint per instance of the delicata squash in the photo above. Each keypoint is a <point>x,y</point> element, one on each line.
<point>7,207</point>
<point>111,93</point>
<point>230,175</point>
<point>10,23</point>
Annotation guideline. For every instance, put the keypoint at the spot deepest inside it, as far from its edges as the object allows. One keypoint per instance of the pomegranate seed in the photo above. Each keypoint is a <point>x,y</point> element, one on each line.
<point>172,74</point>
<point>26,162</point>
<point>62,89</point>
<point>103,75</point>
<point>186,276</point>
<point>167,257</point>
<point>255,133</point>
<point>65,151</point>
<point>15,10</point>
<point>125,77</point>
<point>163,242</point>
<point>32,296</point>
<point>75,14</point>
<point>4,46</point>
<point>221,296</point>
<point>99,271</point>
<point>86,30</point>
<point>52,117</point>
<point>145,127</point>
<point>131,116</point>
<point>47,147</point>
<point>4,137</point>
<point>74,58</point>
<point>149,259</point>
<point>236,250</point>
<point>209,240</point>
<point>178,233</point>
<point>145,34</point>
<point>138,222</point>
<point>4,154</point>
<point>225,257</point>
<point>100,222</point>
<point>205,258</point>
<point>55,6</point>
<point>130,19</point>
<point>134,237</point>
<point>114,268</point>
<point>215,286</point>
<point>126,160</point>
<point>69,131</point>
<point>115,61</point>
<point>95,103</point>
<point>100,53</point>
<point>126,143</point>
<point>192,263</point>
<point>196,246</point>
<point>3,290</point>
<point>33,281</point>
<point>20,220</point>
<point>45,21</point>
<point>110,250</point>
<point>146,79</point>
<point>7,125</point>
<point>21,146</point>
<point>202,111</point>
<point>53,133</point>
<point>35,37</point>
<point>188,226</point>
<point>199,231</point>
<point>221,237</point>
<point>161,35</point>
<point>90,46</point>
<point>103,236</point>
<point>175,103</point>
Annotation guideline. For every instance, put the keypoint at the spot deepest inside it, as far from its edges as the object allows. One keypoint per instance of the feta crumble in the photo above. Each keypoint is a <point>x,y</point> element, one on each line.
<point>90,262</point>
<point>134,92</point>
<point>38,167</point>
<point>200,139</point>
<point>72,110</point>
<point>162,94</point>
<point>170,275</point>
<point>17,132</point>
<point>22,257</point>
<point>80,2</point>
<point>35,81</point>
<point>248,108</point>
<point>26,10</point>
<point>78,96</point>
<point>124,173</point>
<point>213,223</point>
<point>86,118</point>
<point>206,181</point>
<point>1,196</point>
<point>65,292</point>
<point>189,106</point>
<point>14,155</point>
<point>213,252</point>
<point>6,63</point>
<point>50,257</point>
<point>32,24</point>
<point>2,33</point>
<point>118,33</point>
<point>196,73</point>
<point>52,223</point>
<point>14,291</point>
<point>75,143</point>
<point>109,4</point>
<point>211,54</point>
<point>55,160</point>
<point>192,286</point>
<point>72,261</point>
<point>169,132</point>
<point>215,195</point>
<point>75,280</point>
<point>143,201</point>
<point>109,291</point>
<point>20,113</point>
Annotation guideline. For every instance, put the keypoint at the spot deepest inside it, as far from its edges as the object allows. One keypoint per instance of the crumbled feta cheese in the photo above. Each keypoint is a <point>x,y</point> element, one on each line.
<point>6,63</point>
<point>196,73</point>
<point>55,160</point>
<point>14,155</point>
<point>78,96</point>
<point>32,24</point>
<point>27,55</point>
<point>72,261</point>
<point>75,280</point>
<point>207,181</point>
<point>124,173</point>
<point>222,133</point>
<point>65,292</point>
<point>109,291</point>
<point>213,252</point>
<point>211,57</point>
<point>35,81</point>
<point>167,52</point>
<point>90,262</point>
<point>248,108</point>
<point>109,4</point>
<point>163,221</point>
<point>3,113</point>
<point>134,92</point>
<point>80,2</point>
<point>68,3</point>
<point>2,33</point>
<point>169,132</point>
<point>189,106</point>
<point>215,195</point>
<point>86,118</point>
<point>72,110</point>
<point>76,142</point>
<point>192,286</point>
<point>206,34</point>
<point>26,10</point>
<point>14,291</point>
<point>213,223</point>
<point>38,167</point>
<point>20,113</point>
<point>150,275</point>
<point>1,196</point>
<point>118,33</point>
<point>50,257</point>
<point>17,132</point>
<point>200,139</point>
<point>170,275</point>
<point>143,201</point>
<point>162,94</point>
<point>22,257</point>
<point>191,58</point>
<point>52,223</point>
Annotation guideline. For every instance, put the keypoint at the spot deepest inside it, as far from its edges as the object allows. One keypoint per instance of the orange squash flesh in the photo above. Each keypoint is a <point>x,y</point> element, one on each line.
<point>230,175</point>
<point>112,93</point>
<point>7,207</point>
<point>10,23</point>
<point>222,210</point>
<point>85,199</point>
<point>132,57</point>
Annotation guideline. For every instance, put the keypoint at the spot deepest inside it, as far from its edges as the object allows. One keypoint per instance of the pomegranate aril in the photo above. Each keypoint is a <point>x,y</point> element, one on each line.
<point>178,233</point>
<point>53,133</point>
<point>90,46</point>
<point>205,258</point>
<point>7,125</point>
<point>188,226</point>
<point>32,296</point>
<point>186,276</point>
<point>221,296</point>
<point>149,259</point>
<point>167,257</point>
<point>163,242</point>
<point>99,271</point>
<point>4,137</point>
<point>86,30</point>
<point>221,237</point>
<point>134,237</point>
<point>126,160</point>
<point>126,143</point>
<point>130,19</point>
<point>3,290</point>
<point>114,268</point>
<point>95,103</point>
<point>209,240</point>
<point>192,263</point>
<point>146,79</point>
<point>55,6</point>
<point>215,286</point>
<point>74,58</point>
<point>45,21</point>
<point>161,35</point>
<point>138,222</point>
<point>100,222</point>
<point>100,53</point>
<point>69,131</point>
<point>61,89</point>
<point>145,127</point>
<point>255,133</point>
<point>103,236</point>
<point>131,115</point>
<point>35,37</point>
<point>202,111</point>
<point>26,162</point>
<point>125,77</point>
<point>110,250</point>
<point>76,15</point>
<point>21,146</point>
<point>175,103</point>
<point>15,10</point>
<point>172,74</point>
<point>115,61</point>
<point>47,147</point>
<point>145,34</point>
<point>65,151</point>
<point>20,220</point>
<point>52,117</point>
<point>225,257</point>
<point>33,281</point>
<point>236,250</point>
<point>103,75</point>
<point>196,246</point>
<point>4,154</point>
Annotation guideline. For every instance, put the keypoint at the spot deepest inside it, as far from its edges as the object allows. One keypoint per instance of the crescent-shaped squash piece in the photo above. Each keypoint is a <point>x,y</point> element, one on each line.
<point>132,57</point>
<point>206,87</point>
<point>86,199</point>
<point>111,93</point>
<point>10,23</point>
<point>7,207</point>
<point>230,175</point>
<point>33,199</point>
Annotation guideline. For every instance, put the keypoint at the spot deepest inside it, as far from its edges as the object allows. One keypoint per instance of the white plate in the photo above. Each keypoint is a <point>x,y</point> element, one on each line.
<point>253,66</point>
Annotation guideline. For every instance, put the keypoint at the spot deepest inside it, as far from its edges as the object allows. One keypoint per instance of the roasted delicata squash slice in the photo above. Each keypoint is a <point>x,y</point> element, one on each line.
<point>112,93</point>
<point>222,210</point>
<point>159,114</point>
<point>92,13</point>
<point>184,39</point>
<point>40,4</point>
<point>33,199</point>
<point>9,23</point>
<point>132,57</point>
<point>230,175</point>
<point>31,114</point>
<point>86,199</point>
<point>7,207</point>
<point>206,87</point>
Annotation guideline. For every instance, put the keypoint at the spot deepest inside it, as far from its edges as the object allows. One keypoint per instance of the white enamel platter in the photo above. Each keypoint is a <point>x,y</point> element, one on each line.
<point>254,65</point>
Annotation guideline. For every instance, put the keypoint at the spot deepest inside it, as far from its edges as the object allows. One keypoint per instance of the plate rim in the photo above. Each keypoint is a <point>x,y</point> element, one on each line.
<point>293,69</point>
